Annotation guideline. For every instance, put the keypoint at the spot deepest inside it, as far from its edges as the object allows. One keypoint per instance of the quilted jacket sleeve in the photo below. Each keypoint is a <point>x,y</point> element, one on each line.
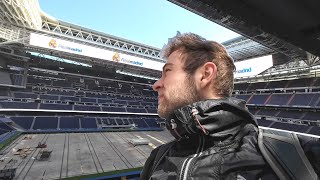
<point>145,174</point>
<point>311,147</point>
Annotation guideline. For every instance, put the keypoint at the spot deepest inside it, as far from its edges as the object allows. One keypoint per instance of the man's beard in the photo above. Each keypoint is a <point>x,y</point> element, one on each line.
<point>182,94</point>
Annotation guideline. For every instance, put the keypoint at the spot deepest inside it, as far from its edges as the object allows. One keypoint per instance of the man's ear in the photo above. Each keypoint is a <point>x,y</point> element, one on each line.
<point>208,74</point>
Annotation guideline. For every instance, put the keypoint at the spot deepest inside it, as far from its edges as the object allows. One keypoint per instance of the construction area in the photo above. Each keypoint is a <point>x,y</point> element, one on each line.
<point>65,155</point>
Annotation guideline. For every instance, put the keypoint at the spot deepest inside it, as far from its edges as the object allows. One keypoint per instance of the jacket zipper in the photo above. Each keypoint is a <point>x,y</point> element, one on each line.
<point>187,162</point>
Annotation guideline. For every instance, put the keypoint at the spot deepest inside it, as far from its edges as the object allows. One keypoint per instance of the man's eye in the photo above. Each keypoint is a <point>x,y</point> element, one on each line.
<point>167,70</point>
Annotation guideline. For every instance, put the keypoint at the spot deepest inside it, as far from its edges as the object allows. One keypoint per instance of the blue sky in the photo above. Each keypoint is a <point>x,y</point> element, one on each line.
<point>149,22</point>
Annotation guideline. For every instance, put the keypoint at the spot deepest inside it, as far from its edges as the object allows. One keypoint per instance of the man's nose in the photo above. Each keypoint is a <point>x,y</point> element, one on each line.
<point>157,85</point>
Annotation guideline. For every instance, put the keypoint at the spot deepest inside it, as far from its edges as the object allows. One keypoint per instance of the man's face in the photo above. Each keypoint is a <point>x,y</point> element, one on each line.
<point>175,88</point>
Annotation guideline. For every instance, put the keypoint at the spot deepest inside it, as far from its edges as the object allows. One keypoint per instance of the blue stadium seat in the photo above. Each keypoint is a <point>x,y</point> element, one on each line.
<point>136,110</point>
<point>86,108</point>
<point>279,99</point>
<point>56,106</point>
<point>113,109</point>
<point>152,110</point>
<point>69,98</point>
<point>134,103</point>
<point>24,122</point>
<point>290,127</point>
<point>315,130</point>
<point>49,97</point>
<point>312,116</point>
<point>258,99</point>
<point>267,112</point>
<point>89,123</point>
<point>105,101</point>
<point>69,123</point>
<point>61,83</point>
<point>252,110</point>
<point>61,92</point>
<point>146,103</point>
<point>264,123</point>
<point>25,95</point>
<point>244,96</point>
<point>119,121</point>
<point>45,123</point>
<point>152,122</point>
<point>141,123</point>
<point>302,99</point>
<point>121,102</point>
<point>4,128</point>
<point>92,100</point>
<point>294,114</point>
<point>19,105</point>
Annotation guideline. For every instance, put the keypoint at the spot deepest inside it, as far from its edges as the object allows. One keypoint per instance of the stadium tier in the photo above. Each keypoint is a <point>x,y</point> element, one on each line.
<point>63,94</point>
<point>288,104</point>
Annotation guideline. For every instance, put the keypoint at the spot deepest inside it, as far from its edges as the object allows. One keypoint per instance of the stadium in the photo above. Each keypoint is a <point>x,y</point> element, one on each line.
<point>78,104</point>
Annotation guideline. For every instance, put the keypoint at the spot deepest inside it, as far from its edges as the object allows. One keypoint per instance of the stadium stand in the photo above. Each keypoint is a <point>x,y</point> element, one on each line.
<point>97,104</point>
<point>286,104</point>
<point>71,93</point>
<point>76,93</point>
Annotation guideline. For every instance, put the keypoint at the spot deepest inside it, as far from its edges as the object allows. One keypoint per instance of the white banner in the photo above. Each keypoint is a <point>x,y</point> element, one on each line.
<point>249,67</point>
<point>253,66</point>
<point>85,50</point>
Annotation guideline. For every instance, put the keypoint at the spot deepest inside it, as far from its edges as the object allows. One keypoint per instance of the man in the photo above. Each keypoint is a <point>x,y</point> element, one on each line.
<point>216,137</point>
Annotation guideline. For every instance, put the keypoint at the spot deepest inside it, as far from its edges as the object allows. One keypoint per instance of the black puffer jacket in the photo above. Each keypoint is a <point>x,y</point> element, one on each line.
<point>215,139</point>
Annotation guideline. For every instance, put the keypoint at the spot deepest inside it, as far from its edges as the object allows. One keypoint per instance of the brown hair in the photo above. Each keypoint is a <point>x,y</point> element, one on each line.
<point>196,51</point>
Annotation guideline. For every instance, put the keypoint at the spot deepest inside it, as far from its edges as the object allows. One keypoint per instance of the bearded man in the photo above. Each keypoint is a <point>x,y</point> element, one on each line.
<point>215,136</point>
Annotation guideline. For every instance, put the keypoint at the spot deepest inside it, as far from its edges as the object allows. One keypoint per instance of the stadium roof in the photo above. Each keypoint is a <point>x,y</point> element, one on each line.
<point>19,14</point>
<point>290,27</point>
<point>242,48</point>
<point>19,18</point>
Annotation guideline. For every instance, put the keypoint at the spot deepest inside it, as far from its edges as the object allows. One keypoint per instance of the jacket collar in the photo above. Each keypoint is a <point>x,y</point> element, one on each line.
<point>215,117</point>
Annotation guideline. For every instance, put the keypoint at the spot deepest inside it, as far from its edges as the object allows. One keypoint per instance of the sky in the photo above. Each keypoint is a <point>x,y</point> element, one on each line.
<point>149,22</point>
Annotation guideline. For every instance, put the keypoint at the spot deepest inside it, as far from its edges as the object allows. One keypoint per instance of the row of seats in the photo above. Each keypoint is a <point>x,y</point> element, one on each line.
<point>102,98</point>
<point>292,114</point>
<point>55,106</point>
<point>60,80</point>
<point>315,130</point>
<point>73,122</point>
<point>289,99</point>
<point>91,84</point>
<point>303,82</point>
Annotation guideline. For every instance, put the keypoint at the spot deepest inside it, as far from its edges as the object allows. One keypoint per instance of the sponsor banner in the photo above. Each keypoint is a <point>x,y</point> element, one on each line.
<point>253,66</point>
<point>249,67</point>
<point>85,50</point>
